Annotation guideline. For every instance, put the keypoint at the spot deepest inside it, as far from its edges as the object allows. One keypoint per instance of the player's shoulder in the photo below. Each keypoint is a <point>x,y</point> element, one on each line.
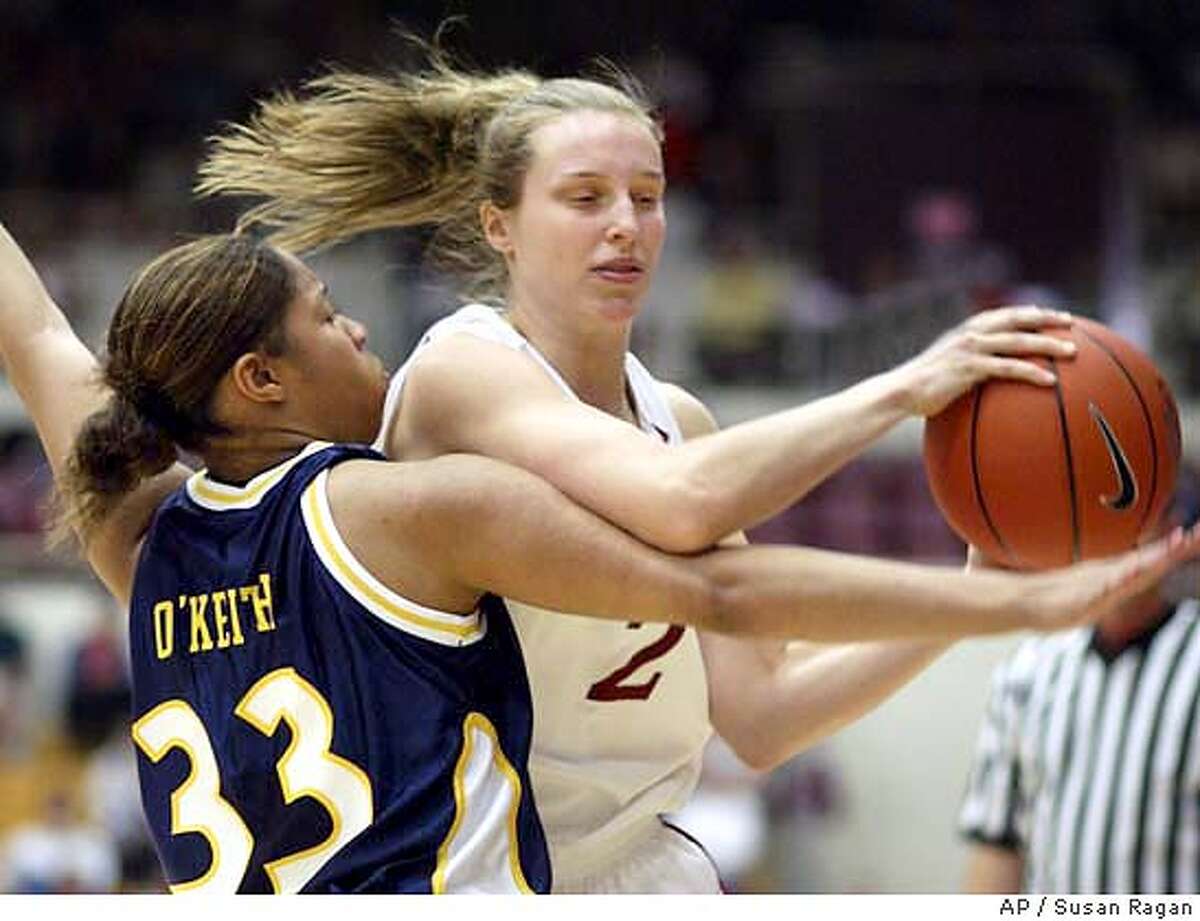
<point>405,522</point>
<point>693,416</point>
<point>463,363</point>
<point>472,327</point>
<point>411,496</point>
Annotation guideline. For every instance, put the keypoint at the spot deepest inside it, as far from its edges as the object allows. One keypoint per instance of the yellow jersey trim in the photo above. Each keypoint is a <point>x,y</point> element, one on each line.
<point>449,629</point>
<point>478,723</point>
<point>221,497</point>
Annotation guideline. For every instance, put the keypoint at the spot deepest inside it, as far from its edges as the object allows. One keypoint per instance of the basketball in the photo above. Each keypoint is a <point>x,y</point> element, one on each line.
<point>1037,477</point>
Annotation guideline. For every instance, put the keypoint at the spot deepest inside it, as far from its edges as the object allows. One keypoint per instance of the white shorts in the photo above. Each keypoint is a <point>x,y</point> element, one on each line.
<point>661,860</point>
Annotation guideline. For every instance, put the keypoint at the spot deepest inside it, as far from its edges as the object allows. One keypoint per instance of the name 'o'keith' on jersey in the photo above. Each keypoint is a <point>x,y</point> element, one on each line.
<point>303,728</point>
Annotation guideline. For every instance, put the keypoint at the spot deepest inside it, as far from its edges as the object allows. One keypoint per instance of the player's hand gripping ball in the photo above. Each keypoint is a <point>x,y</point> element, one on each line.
<point>1037,477</point>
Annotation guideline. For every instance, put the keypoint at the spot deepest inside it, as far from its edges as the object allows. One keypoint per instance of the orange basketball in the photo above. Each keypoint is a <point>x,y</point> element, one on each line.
<point>1044,476</point>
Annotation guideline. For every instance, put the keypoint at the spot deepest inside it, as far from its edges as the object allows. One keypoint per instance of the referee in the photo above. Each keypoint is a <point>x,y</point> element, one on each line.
<point>1086,777</point>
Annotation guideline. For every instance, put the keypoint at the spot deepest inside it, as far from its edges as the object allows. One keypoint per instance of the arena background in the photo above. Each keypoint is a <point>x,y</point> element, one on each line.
<point>846,178</point>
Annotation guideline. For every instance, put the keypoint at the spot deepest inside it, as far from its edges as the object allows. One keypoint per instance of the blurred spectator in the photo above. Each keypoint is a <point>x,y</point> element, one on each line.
<point>58,854</point>
<point>815,301</point>
<point>741,326</point>
<point>24,483</point>
<point>98,694</point>
<point>32,759</point>
<point>111,788</point>
<point>13,705</point>
<point>680,87</point>
<point>1176,311</point>
<point>947,248</point>
<point>816,309</point>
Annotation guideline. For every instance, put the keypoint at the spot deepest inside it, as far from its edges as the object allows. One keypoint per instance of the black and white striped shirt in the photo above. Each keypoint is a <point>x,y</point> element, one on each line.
<point>1090,765</point>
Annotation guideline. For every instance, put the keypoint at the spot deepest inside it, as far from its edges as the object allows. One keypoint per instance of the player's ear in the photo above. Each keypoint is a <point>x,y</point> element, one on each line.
<point>495,223</point>
<point>255,378</point>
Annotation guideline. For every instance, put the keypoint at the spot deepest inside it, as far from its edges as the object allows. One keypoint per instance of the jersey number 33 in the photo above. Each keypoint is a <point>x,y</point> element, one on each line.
<point>306,768</point>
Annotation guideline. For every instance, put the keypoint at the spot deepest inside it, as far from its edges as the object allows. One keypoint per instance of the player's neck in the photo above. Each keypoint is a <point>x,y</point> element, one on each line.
<point>237,458</point>
<point>591,361</point>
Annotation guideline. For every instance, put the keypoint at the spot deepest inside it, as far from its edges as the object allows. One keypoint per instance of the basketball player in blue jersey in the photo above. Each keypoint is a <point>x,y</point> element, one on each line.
<point>328,694</point>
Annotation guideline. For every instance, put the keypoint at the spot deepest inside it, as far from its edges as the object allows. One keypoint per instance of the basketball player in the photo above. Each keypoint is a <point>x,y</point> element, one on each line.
<point>547,196</point>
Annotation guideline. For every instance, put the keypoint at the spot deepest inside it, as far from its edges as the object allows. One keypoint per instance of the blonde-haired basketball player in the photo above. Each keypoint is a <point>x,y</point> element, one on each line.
<point>547,198</point>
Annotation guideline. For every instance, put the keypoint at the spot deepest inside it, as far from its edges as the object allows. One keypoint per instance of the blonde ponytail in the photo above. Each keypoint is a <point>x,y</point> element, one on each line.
<point>353,153</point>
<point>357,153</point>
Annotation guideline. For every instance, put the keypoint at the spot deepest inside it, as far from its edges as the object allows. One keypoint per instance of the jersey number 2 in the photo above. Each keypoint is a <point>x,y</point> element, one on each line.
<point>614,686</point>
<point>306,768</point>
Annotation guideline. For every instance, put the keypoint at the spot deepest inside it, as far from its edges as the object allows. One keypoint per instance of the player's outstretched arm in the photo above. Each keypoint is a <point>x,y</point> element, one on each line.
<point>854,598</point>
<point>56,377</point>
<point>447,530</point>
<point>53,373</point>
<point>466,394</point>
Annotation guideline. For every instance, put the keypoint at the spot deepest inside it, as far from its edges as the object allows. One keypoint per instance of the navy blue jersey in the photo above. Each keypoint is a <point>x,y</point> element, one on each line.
<point>302,727</point>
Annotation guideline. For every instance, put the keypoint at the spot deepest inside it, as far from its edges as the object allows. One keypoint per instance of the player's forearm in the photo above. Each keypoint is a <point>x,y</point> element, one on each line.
<point>51,370</point>
<point>26,308</point>
<point>754,470</point>
<point>805,697</point>
<point>819,595</point>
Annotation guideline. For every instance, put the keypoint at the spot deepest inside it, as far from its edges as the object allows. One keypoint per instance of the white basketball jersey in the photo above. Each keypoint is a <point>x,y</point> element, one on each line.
<point>620,710</point>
